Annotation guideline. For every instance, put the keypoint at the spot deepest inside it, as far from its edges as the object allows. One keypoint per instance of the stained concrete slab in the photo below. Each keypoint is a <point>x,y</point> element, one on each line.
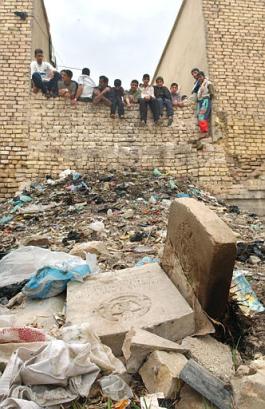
<point>38,313</point>
<point>140,297</point>
<point>201,247</point>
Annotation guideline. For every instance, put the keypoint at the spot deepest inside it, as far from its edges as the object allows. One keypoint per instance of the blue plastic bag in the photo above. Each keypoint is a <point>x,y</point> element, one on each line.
<point>51,281</point>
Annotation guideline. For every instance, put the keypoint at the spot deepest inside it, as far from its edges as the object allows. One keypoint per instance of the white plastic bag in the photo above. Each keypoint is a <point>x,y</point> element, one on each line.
<point>21,264</point>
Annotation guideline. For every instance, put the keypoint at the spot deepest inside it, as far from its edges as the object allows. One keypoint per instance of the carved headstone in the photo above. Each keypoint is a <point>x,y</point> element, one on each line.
<point>201,247</point>
<point>142,297</point>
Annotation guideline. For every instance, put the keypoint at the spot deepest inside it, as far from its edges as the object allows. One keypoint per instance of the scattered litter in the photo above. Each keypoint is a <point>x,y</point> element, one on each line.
<point>25,334</point>
<point>181,195</point>
<point>114,387</point>
<point>245,250</point>
<point>51,281</point>
<point>101,354</point>
<point>5,220</point>
<point>57,373</point>
<point>123,404</point>
<point>156,172</point>
<point>97,227</point>
<point>147,260</point>
<point>23,263</point>
<point>244,294</point>
<point>151,401</point>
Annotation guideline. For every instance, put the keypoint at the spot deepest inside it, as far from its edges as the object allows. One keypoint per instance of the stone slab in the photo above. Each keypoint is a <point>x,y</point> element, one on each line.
<point>38,313</point>
<point>202,247</point>
<point>138,344</point>
<point>140,297</point>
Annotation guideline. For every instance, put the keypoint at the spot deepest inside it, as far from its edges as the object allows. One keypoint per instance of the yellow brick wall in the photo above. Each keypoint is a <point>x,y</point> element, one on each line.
<point>87,138</point>
<point>40,137</point>
<point>236,60</point>
<point>15,55</point>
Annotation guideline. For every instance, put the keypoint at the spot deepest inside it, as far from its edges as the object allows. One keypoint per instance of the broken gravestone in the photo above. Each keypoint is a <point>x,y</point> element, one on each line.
<point>140,297</point>
<point>161,372</point>
<point>138,344</point>
<point>201,248</point>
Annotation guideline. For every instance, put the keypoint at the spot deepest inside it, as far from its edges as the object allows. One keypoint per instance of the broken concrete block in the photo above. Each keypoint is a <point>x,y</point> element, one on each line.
<point>138,344</point>
<point>249,391</point>
<point>92,247</point>
<point>201,247</point>
<point>190,399</point>
<point>161,373</point>
<point>140,297</point>
<point>216,391</point>
<point>212,355</point>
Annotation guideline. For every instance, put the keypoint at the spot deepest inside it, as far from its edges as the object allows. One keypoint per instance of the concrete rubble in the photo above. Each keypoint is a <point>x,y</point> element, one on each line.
<point>161,373</point>
<point>212,355</point>
<point>139,326</point>
<point>249,386</point>
<point>138,344</point>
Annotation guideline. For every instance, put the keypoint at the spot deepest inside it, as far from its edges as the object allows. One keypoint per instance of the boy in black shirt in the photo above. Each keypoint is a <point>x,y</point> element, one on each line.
<point>164,99</point>
<point>117,94</point>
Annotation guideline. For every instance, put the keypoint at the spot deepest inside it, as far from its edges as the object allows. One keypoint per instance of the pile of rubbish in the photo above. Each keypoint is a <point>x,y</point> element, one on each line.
<point>65,243</point>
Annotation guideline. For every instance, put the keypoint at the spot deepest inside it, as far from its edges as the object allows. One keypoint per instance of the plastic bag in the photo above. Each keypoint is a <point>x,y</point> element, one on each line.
<point>50,281</point>
<point>21,264</point>
<point>100,354</point>
<point>115,388</point>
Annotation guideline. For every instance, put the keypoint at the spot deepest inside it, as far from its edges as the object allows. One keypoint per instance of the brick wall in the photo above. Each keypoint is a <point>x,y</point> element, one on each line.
<point>236,59</point>
<point>86,138</point>
<point>39,137</point>
<point>15,53</point>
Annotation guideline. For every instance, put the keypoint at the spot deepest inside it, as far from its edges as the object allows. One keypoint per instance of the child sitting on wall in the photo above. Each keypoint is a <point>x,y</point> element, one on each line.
<point>66,87</point>
<point>133,95</point>
<point>102,92</point>
<point>177,100</point>
<point>164,99</point>
<point>44,75</point>
<point>117,94</point>
<point>148,98</point>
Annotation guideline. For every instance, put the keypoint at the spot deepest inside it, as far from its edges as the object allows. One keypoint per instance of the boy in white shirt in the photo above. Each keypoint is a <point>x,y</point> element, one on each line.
<point>44,75</point>
<point>85,87</point>
<point>148,98</point>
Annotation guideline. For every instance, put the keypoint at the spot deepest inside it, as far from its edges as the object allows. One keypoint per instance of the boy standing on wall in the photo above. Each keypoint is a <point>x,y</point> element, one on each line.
<point>148,98</point>
<point>44,75</point>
